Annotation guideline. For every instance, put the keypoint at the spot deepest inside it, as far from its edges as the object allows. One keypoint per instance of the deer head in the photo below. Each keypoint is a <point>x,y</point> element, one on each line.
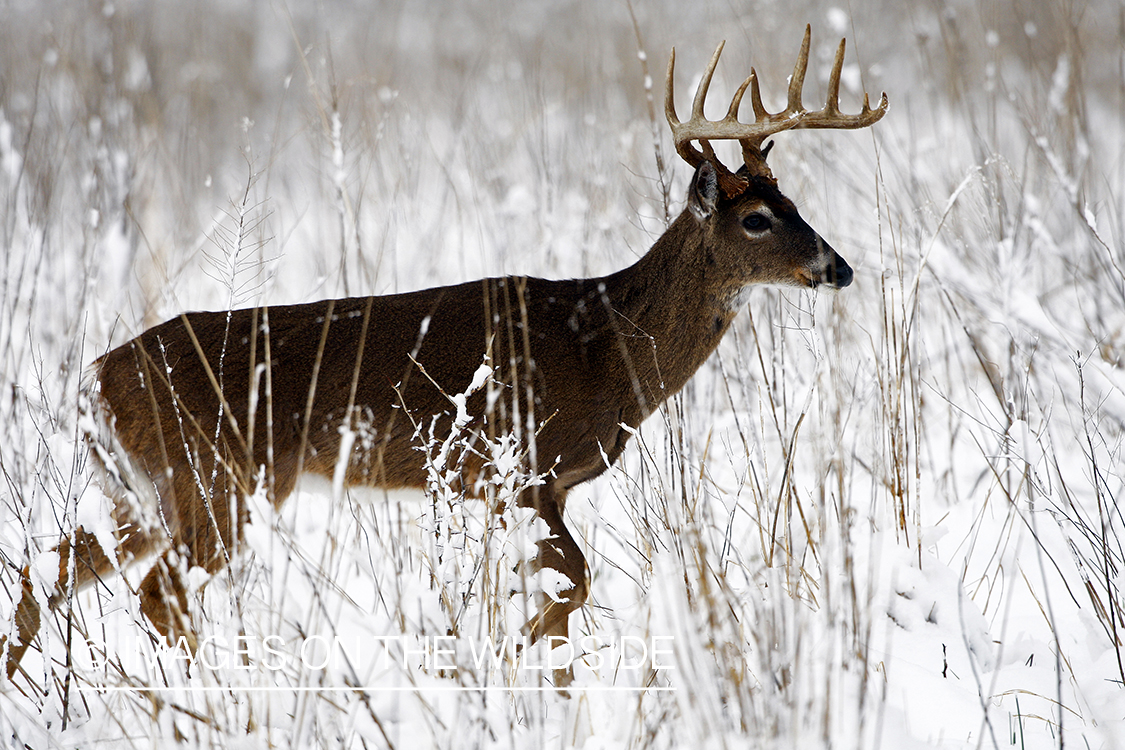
<point>746,206</point>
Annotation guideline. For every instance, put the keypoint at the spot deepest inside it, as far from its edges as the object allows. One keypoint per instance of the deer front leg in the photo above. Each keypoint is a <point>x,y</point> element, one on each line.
<point>561,571</point>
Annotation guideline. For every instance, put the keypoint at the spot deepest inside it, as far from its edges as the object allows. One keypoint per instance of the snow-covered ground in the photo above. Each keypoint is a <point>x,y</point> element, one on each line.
<point>886,517</point>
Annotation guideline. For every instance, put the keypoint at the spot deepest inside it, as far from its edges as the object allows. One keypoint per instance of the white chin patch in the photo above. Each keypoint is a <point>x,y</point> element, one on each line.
<point>739,299</point>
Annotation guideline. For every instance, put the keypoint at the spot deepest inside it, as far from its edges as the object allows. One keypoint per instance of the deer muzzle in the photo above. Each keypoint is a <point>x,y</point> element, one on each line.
<point>837,273</point>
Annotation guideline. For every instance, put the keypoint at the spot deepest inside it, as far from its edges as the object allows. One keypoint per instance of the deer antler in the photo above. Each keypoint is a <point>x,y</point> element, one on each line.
<point>752,134</point>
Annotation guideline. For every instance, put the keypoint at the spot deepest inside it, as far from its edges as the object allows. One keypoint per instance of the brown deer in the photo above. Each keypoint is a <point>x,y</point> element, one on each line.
<point>207,405</point>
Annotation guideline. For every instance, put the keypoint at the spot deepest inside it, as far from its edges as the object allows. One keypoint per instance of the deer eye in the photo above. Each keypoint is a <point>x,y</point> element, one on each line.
<point>756,222</point>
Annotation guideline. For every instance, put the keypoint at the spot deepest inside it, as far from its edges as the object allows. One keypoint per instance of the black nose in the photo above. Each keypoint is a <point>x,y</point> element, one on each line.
<point>839,273</point>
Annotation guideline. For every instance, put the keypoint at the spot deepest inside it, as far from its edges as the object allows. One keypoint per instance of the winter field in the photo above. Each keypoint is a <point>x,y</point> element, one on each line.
<point>884,517</point>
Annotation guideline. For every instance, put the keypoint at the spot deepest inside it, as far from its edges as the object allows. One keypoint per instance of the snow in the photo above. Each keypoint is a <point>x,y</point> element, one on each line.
<point>883,517</point>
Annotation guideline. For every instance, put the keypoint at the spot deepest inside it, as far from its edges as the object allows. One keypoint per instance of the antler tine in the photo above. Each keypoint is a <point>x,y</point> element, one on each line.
<point>756,97</point>
<point>736,102</point>
<point>687,152</point>
<point>670,93</point>
<point>797,82</point>
<point>832,106</point>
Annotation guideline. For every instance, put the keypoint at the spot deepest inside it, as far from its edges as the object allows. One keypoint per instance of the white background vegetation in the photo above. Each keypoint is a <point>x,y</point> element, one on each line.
<point>884,517</point>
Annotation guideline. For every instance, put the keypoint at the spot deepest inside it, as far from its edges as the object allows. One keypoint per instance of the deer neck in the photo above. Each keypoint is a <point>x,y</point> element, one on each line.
<point>672,309</point>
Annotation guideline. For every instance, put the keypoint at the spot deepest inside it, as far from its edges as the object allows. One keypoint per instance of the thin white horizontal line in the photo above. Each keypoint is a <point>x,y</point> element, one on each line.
<point>370,689</point>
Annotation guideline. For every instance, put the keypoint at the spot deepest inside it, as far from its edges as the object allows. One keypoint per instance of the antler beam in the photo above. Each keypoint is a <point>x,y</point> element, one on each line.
<point>752,134</point>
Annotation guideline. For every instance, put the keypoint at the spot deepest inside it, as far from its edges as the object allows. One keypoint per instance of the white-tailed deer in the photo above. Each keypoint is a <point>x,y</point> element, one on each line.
<point>207,405</point>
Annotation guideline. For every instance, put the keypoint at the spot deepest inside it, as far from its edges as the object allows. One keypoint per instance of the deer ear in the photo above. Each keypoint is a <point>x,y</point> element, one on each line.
<point>703,195</point>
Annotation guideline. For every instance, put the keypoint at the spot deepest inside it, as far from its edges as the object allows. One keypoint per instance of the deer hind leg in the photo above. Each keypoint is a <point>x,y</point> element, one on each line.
<point>164,600</point>
<point>91,563</point>
<point>209,514</point>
